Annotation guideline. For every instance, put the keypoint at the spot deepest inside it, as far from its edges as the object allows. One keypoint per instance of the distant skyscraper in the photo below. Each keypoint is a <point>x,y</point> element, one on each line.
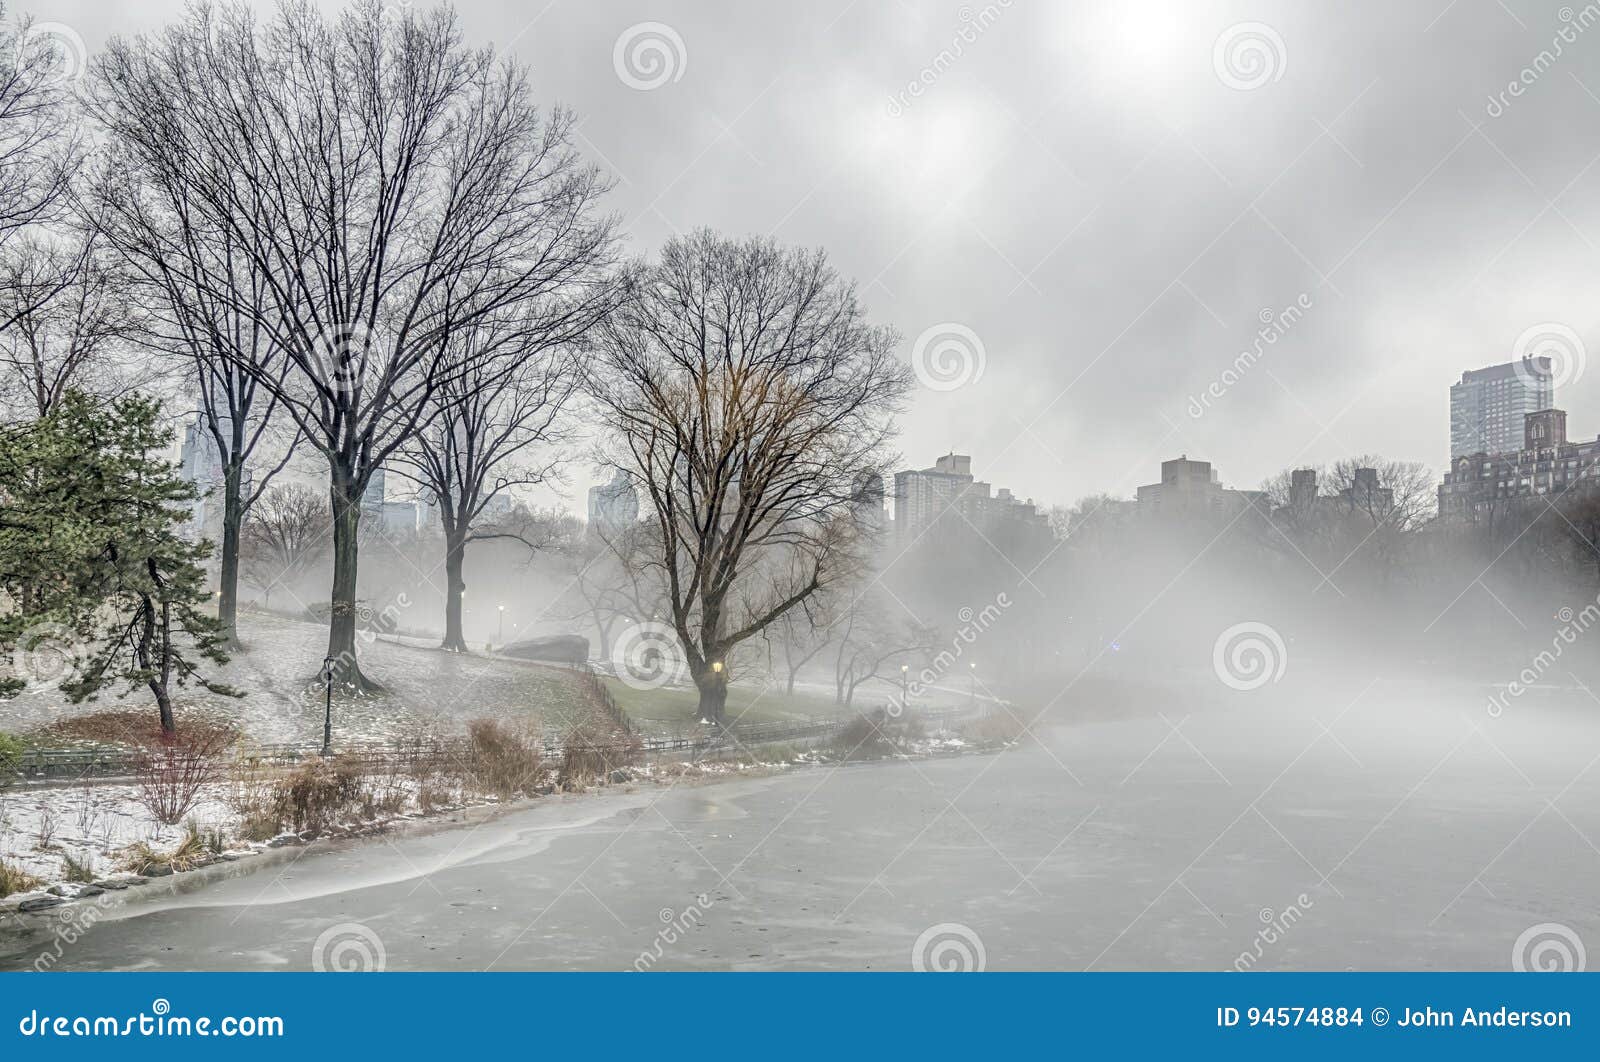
<point>613,506</point>
<point>925,497</point>
<point>1488,406</point>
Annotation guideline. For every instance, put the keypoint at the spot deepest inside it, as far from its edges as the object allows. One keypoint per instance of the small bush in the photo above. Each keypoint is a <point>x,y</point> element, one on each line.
<point>996,728</point>
<point>10,758</point>
<point>79,870</point>
<point>591,752</point>
<point>876,734</point>
<point>174,770</point>
<point>319,794</point>
<point>252,796</point>
<point>503,761</point>
<point>15,879</point>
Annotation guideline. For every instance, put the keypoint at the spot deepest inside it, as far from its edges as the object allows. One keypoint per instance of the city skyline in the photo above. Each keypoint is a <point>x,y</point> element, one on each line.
<point>1427,234</point>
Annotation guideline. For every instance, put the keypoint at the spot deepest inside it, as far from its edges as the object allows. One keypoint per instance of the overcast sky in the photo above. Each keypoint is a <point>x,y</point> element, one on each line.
<point>1109,196</point>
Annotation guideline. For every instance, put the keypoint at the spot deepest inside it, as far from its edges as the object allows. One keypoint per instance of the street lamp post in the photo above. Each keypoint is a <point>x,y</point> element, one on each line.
<point>327,717</point>
<point>500,631</point>
<point>905,674</point>
<point>972,698</point>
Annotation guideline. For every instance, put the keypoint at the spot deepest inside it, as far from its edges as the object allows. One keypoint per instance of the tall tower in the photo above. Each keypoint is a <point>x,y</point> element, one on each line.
<point>1488,406</point>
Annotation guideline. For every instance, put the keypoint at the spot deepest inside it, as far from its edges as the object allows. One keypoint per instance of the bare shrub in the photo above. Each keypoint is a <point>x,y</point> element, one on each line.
<point>79,870</point>
<point>252,796</point>
<point>319,794</point>
<point>171,773</point>
<point>503,761</point>
<point>46,838</point>
<point>592,752</point>
<point>875,734</point>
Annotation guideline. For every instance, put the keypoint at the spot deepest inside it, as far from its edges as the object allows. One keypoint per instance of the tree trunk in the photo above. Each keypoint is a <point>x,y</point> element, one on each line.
<point>144,651</point>
<point>228,575</point>
<point>346,500</point>
<point>455,551</point>
<point>713,687</point>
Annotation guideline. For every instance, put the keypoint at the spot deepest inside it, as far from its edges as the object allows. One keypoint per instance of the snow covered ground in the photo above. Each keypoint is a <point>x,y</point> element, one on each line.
<point>283,703</point>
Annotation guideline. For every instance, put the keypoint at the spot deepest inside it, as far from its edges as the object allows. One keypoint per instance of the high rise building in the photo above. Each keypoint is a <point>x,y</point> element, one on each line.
<point>1543,463</point>
<point>613,506</point>
<point>1488,406</point>
<point>923,496</point>
<point>1193,488</point>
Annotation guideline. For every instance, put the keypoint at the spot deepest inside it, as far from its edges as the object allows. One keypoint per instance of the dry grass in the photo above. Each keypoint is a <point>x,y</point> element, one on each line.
<point>320,794</point>
<point>591,752</point>
<point>191,852</point>
<point>79,870</point>
<point>15,879</point>
<point>503,761</point>
<point>140,728</point>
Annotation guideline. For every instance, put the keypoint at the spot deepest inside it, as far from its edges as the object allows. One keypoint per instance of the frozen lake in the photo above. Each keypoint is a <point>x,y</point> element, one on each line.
<point>1369,828</point>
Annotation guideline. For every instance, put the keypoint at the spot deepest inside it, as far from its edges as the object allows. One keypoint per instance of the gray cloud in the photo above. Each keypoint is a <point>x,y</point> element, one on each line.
<point>1081,189</point>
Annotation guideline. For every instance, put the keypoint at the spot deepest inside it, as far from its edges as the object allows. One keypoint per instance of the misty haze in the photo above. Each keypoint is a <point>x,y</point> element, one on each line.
<point>878,486</point>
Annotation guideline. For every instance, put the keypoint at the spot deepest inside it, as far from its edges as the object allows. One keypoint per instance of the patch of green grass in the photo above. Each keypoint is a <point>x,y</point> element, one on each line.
<point>746,704</point>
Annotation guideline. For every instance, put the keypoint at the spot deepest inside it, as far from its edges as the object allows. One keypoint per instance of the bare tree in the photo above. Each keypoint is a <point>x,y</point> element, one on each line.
<point>743,393</point>
<point>207,304</point>
<point>285,532</point>
<point>873,643</point>
<point>490,432</point>
<point>801,635</point>
<point>39,145</point>
<point>391,186</point>
<point>69,320</point>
